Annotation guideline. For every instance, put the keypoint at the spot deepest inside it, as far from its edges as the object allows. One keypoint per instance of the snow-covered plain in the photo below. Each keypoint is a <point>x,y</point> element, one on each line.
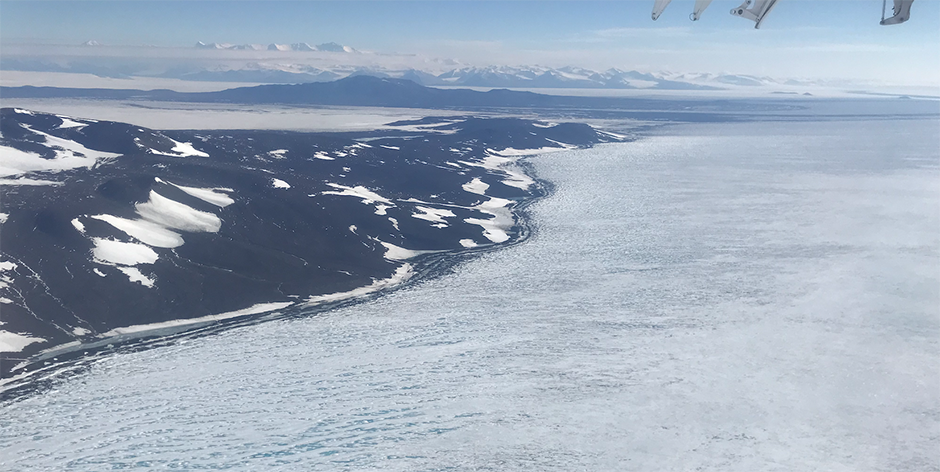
<point>171,115</point>
<point>727,297</point>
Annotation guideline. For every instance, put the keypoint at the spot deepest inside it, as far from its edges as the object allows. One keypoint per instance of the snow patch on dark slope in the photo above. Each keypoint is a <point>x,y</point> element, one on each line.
<point>111,231</point>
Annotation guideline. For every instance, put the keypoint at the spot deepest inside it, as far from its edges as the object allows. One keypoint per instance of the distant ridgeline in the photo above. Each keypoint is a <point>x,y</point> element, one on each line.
<point>363,90</point>
<point>111,232</point>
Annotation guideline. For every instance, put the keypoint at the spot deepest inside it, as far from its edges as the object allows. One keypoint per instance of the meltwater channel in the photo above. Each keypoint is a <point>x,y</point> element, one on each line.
<point>733,297</point>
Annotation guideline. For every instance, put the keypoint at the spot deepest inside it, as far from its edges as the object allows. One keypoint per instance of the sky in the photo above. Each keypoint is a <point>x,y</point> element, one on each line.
<point>800,38</point>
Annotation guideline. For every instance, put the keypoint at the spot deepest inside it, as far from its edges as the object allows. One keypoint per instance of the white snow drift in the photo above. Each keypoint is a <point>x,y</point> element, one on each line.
<point>108,251</point>
<point>159,217</point>
<point>13,342</point>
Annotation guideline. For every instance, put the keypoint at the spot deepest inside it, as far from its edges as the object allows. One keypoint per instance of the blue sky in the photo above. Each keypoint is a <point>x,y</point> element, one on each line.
<point>800,38</point>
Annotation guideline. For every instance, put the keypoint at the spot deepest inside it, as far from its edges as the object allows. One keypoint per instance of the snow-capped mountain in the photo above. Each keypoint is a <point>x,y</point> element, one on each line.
<point>303,47</point>
<point>565,77</point>
<point>724,79</point>
<point>112,231</point>
<point>334,47</point>
<point>305,63</point>
<point>202,45</point>
<point>493,76</point>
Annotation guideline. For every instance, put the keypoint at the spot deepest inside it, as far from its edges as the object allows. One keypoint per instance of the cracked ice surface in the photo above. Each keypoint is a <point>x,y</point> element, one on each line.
<point>684,305</point>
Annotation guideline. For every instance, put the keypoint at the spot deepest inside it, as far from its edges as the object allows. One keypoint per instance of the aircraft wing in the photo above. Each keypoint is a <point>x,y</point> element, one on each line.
<point>757,12</point>
<point>700,6</point>
<point>902,13</point>
<point>658,8</point>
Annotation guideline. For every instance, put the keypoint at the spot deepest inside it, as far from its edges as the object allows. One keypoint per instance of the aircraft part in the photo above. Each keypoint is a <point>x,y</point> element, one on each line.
<point>757,12</point>
<point>700,6</point>
<point>902,12</point>
<point>658,8</point>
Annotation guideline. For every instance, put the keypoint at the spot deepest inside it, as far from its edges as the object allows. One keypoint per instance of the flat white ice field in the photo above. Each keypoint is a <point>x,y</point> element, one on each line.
<point>172,115</point>
<point>720,297</point>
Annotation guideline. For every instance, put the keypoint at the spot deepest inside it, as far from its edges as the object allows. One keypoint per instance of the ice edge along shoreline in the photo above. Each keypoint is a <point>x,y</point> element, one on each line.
<point>423,267</point>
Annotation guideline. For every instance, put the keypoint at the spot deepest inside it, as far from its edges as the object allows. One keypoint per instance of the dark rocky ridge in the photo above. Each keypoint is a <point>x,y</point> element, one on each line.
<point>272,244</point>
<point>361,90</point>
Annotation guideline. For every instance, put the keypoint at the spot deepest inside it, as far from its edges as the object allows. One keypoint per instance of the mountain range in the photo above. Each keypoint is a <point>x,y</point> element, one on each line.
<point>364,90</point>
<point>485,77</point>
<point>298,68</point>
<point>325,47</point>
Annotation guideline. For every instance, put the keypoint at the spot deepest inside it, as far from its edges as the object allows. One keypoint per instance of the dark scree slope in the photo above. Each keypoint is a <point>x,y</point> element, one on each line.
<point>105,227</point>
